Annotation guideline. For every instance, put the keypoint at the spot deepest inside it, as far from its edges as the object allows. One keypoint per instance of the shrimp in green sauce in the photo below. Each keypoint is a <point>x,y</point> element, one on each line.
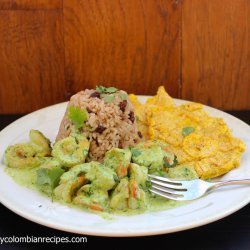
<point>71,150</point>
<point>28,154</point>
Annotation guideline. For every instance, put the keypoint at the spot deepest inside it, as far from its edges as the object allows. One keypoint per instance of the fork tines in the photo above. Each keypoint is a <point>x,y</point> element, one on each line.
<point>167,188</point>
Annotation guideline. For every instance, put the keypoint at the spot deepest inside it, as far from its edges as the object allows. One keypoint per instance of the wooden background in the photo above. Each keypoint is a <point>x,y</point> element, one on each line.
<point>198,49</point>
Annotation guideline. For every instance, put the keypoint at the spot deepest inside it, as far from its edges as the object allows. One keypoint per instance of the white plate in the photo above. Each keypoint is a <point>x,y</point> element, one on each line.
<point>26,202</point>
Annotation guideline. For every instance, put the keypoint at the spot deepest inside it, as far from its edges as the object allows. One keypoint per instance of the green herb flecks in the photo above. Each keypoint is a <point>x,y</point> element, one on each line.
<point>104,90</point>
<point>167,163</point>
<point>135,152</point>
<point>187,130</point>
<point>77,116</point>
<point>148,184</point>
<point>160,173</point>
<point>89,192</point>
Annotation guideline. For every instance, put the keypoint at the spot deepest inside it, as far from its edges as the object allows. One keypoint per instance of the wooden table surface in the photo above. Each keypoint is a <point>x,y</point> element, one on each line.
<point>195,48</point>
<point>232,232</point>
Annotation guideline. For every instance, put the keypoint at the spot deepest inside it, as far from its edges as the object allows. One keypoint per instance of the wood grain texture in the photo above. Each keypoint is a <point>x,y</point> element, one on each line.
<point>216,52</point>
<point>30,4</point>
<point>131,44</point>
<point>50,49</point>
<point>31,60</point>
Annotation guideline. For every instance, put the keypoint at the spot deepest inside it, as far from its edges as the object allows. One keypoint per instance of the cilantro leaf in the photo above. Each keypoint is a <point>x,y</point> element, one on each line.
<point>78,116</point>
<point>135,152</point>
<point>123,96</point>
<point>104,90</point>
<point>111,90</point>
<point>187,130</point>
<point>49,176</point>
<point>108,98</point>
<point>100,89</point>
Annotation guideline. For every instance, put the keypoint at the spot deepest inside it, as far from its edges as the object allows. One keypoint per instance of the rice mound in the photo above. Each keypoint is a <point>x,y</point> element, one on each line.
<point>109,124</point>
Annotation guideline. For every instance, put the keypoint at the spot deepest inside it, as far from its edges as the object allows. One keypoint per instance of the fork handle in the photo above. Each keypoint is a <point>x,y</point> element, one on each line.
<point>226,183</point>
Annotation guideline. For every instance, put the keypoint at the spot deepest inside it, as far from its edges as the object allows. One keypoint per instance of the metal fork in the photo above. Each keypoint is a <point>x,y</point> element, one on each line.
<point>187,190</point>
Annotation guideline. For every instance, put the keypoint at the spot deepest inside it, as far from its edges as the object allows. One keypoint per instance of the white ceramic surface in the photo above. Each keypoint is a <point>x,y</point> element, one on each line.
<point>26,202</point>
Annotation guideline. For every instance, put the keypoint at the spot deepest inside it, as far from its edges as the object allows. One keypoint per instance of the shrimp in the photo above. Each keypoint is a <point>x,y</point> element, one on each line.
<point>71,181</point>
<point>92,198</point>
<point>30,154</point>
<point>21,156</point>
<point>71,150</point>
<point>154,155</point>
<point>118,159</point>
<point>128,194</point>
<point>76,171</point>
<point>101,178</point>
<point>137,196</point>
<point>138,173</point>
<point>68,189</point>
<point>120,196</point>
<point>40,143</point>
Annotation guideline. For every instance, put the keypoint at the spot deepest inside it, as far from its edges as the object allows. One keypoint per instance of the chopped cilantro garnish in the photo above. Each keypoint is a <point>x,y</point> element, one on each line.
<point>187,130</point>
<point>135,152</point>
<point>167,164</point>
<point>49,176</point>
<point>148,184</point>
<point>105,90</point>
<point>89,192</point>
<point>100,89</point>
<point>108,98</point>
<point>111,90</point>
<point>123,96</point>
<point>78,116</point>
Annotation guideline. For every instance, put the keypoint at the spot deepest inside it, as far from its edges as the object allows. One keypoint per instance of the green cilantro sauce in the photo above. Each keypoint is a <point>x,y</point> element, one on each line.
<point>27,178</point>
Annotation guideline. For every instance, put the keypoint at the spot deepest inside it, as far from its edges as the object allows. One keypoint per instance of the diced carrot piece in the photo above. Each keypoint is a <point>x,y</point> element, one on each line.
<point>133,188</point>
<point>122,171</point>
<point>96,207</point>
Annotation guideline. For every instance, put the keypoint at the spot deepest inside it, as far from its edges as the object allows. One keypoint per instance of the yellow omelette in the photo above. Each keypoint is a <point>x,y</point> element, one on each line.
<point>198,140</point>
